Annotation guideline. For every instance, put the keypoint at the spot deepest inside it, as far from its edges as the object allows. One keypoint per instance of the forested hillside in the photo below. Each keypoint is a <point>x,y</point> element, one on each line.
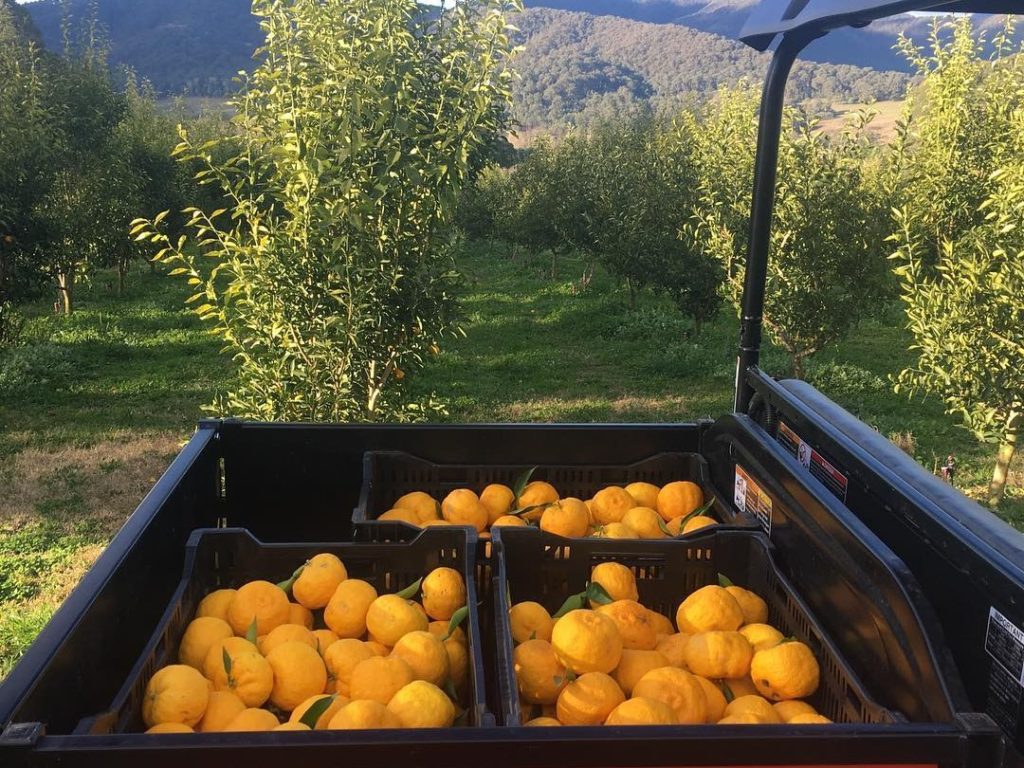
<point>574,65</point>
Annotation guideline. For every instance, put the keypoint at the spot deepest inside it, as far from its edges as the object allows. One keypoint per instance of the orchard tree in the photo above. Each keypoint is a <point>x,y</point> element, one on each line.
<point>960,260</point>
<point>827,265</point>
<point>330,275</point>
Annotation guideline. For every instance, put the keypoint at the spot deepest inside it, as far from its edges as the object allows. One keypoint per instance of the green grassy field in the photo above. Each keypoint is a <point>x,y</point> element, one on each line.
<point>93,407</point>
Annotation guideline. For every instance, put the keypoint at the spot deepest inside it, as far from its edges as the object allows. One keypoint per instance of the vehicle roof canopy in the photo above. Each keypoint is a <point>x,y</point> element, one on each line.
<point>771,18</point>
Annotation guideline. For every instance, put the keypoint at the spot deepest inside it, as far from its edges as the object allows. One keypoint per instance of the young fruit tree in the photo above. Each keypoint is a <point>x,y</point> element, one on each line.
<point>961,269</point>
<point>827,268</point>
<point>330,274</point>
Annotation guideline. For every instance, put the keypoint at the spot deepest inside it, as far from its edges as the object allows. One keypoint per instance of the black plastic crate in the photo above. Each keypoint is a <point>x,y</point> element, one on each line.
<point>388,475</point>
<point>228,557</point>
<point>538,566</point>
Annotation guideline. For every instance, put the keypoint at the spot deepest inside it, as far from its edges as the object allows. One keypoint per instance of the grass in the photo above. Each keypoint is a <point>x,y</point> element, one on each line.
<point>93,407</point>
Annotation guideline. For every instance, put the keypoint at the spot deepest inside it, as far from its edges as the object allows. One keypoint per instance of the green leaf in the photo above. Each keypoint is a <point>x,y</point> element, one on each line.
<point>697,512</point>
<point>226,657</point>
<point>726,691</point>
<point>286,585</point>
<point>250,633</point>
<point>411,591</point>
<point>595,593</point>
<point>521,482</point>
<point>449,688</point>
<point>572,603</point>
<point>457,618</point>
<point>664,528</point>
<point>527,510</point>
<point>316,709</point>
<point>723,581</point>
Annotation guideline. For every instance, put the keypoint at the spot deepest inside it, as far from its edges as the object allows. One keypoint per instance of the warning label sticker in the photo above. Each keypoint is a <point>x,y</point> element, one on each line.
<point>820,468</point>
<point>749,497</point>
<point>1004,642</point>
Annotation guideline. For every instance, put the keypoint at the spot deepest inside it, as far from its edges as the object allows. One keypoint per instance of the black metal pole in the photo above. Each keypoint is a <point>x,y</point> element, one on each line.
<point>765,166</point>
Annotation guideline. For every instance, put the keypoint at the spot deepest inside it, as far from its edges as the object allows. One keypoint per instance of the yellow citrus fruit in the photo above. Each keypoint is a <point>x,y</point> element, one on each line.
<point>743,718</point>
<point>299,673</point>
<point>170,728</point>
<point>379,678</point>
<point>645,521</point>
<point>616,531</point>
<point>321,722</point>
<point>697,522</point>
<point>540,676</point>
<point>299,614</point>
<point>611,504</point>
<point>676,688</point>
<point>634,665</point>
<point>754,705</point>
<point>511,521</point>
<point>618,581</point>
<point>808,719</point>
<point>433,523</point>
<point>316,583</point>
<point>740,686</point>
<point>324,639</point>
<point>707,609</point>
<point>260,600</point>
<point>642,711</point>
<point>463,507</point>
<point>679,499</point>
<point>221,709</point>
<point>587,641</point>
<point>425,654</point>
<point>589,699</point>
<point>714,698</point>
<point>530,621</point>
<point>345,613</point>
<point>644,494</point>
<point>390,616</point>
<point>718,655</point>
<point>761,636</point>
<point>542,722</point>
<point>216,604</point>
<point>424,505</point>
<point>458,656</point>
<point>200,635</point>
<point>286,633</point>
<point>290,726</point>
<point>673,648</point>
<point>377,648</point>
<point>786,671</point>
<point>363,714</point>
<point>214,660</point>
<point>253,719</point>
<point>497,500</point>
<point>422,705</point>
<point>535,494</point>
<point>675,526</point>
<point>568,517</point>
<point>341,658</point>
<point>444,592</point>
<point>755,610</point>
<point>663,625</point>
<point>401,516</point>
<point>633,622</point>
<point>440,628</point>
<point>175,694</point>
<point>251,677</point>
<point>789,709</point>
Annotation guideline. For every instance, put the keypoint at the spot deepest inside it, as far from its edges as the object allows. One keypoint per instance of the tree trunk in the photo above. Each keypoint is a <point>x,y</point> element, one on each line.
<point>797,362</point>
<point>1007,449</point>
<point>66,285</point>
<point>122,272</point>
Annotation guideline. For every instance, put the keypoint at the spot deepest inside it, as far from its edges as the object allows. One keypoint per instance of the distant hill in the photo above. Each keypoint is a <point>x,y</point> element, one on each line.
<point>575,66</point>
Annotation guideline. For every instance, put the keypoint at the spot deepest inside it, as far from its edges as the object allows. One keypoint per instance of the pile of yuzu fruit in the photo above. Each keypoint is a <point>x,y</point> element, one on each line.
<point>613,661</point>
<point>320,650</point>
<point>636,511</point>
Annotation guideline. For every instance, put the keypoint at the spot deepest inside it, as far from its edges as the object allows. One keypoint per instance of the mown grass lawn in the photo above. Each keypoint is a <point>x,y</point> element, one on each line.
<point>93,407</point>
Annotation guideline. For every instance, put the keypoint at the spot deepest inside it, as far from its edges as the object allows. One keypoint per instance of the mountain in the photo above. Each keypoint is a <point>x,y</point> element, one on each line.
<point>574,66</point>
<point>871,46</point>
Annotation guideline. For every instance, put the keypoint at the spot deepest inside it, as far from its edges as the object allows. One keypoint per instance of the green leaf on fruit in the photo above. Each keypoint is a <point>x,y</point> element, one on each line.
<point>251,633</point>
<point>286,585</point>
<point>572,603</point>
<point>697,512</point>
<point>724,581</point>
<point>457,618</point>
<point>595,593</point>
<point>316,710</point>
<point>411,591</point>
<point>520,485</point>
<point>227,661</point>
